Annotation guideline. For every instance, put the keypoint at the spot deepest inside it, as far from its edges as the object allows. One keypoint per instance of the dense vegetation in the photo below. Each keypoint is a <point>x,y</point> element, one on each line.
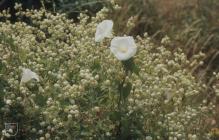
<point>133,70</point>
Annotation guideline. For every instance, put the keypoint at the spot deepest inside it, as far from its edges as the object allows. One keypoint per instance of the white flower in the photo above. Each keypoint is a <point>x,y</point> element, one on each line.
<point>149,138</point>
<point>27,75</point>
<point>104,29</point>
<point>123,47</point>
<point>8,102</point>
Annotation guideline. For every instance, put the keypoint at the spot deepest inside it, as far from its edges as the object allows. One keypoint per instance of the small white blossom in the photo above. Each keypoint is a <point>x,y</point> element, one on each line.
<point>104,29</point>
<point>8,102</point>
<point>27,75</point>
<point>149,138</point>
<point>123,47</point>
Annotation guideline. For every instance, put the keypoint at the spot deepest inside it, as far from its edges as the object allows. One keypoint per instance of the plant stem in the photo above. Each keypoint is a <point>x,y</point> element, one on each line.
<point>120,101</point>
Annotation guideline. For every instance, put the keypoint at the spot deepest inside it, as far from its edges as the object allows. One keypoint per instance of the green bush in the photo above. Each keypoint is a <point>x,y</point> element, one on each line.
<point>82,91</point>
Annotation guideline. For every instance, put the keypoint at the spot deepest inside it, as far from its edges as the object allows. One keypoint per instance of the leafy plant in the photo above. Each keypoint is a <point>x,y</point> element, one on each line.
<point>84,89</point>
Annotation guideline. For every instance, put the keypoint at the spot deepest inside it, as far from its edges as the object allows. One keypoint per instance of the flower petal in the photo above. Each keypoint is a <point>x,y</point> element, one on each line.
<point>123,47</point>
<point>27,75</point>
<point>104,29</point>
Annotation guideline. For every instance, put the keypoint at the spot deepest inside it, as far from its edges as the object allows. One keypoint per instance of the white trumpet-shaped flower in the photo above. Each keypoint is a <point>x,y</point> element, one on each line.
<point>123,47</point>
<point>104,29</point>
<point>28,75</point>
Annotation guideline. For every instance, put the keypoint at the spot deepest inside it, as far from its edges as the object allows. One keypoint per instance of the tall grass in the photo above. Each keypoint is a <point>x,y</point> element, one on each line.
<point>192,25</point>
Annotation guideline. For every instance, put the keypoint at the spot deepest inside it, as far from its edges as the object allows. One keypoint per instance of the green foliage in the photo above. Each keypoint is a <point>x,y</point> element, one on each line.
<point>85,92</point>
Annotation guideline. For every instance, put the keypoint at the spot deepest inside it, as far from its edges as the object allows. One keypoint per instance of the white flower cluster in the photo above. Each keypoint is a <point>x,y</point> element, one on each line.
<point>59,82</point>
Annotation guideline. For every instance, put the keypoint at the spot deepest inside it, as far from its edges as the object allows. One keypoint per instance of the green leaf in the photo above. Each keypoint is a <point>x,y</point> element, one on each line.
<point>41,100</point>
<point>3,84</point>
<point>126,90</point>
<point>115,115</point>
<point>2,67</point>
<point>129,65</point>
<point>125,128</point>
<point>64,102</point>
<point>96,65</point>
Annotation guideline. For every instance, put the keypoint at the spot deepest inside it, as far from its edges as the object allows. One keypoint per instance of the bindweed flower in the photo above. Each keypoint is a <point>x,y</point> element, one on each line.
<point>27,75</point>
<point>104,29</point>
<point>123,47</point>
